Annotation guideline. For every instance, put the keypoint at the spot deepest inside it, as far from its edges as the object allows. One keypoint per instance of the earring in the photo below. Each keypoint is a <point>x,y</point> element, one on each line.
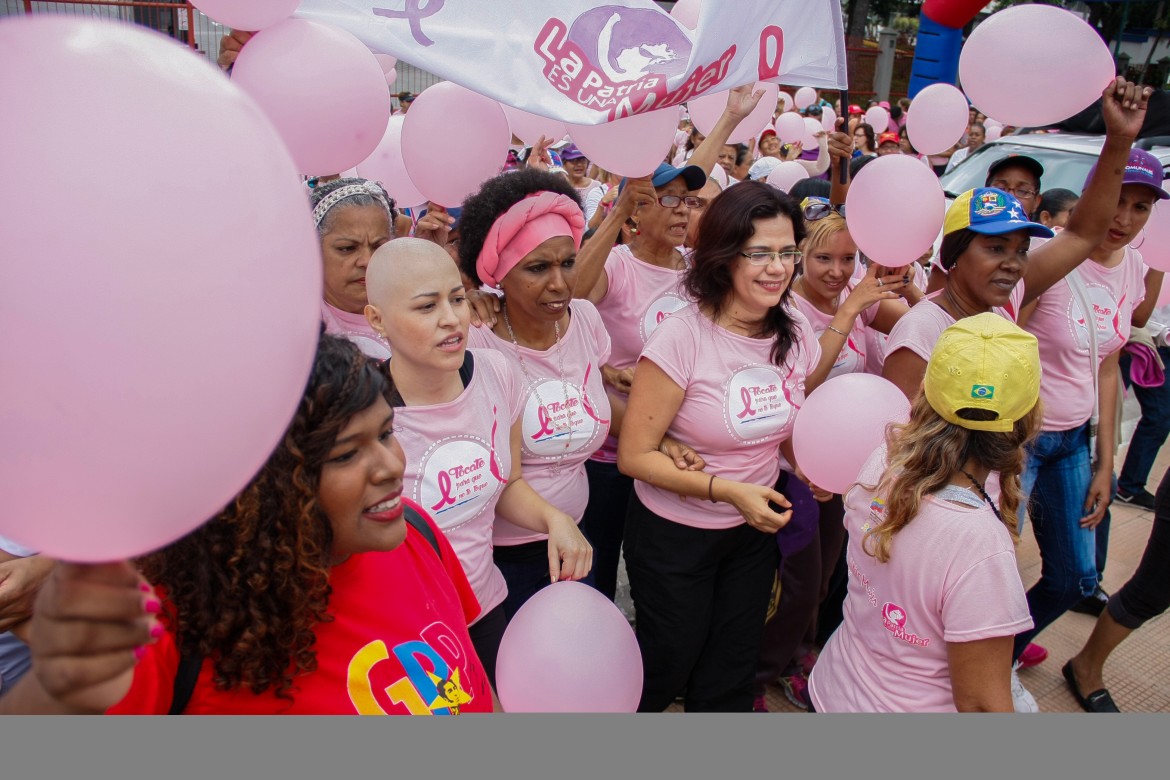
<point>1140,243</point>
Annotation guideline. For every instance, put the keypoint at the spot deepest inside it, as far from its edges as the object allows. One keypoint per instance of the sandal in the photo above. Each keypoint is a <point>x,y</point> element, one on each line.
<point>1097,701</point>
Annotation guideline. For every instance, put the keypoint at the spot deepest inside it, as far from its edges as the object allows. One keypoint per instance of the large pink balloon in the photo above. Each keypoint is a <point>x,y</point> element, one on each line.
<point>386,61</point>
<point>790,127</point>
<point>530,127</point>
<point>386,166</point>
<point>569,649</point>
<point>160,320</point>
<point>686,13</point>
<point>449,123</point>
<point>1154,244</point>
<point>247,14</point>
<point>896,208</point>
<point>323,90</point>
<point>842,422</point>
<point>787,173</point>
<point>632,146</point>
<point>937,118</point>
<point>829,119</point>
<point>706,110</point>
<point>805,97</point>
<point>784,100</point>
<point>1023,89</point>
<point>812,128</point>
<point>878,118</point>
<point>993,133</point>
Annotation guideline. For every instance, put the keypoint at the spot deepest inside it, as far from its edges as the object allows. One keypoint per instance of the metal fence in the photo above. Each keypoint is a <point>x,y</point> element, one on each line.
<point>183,22</point>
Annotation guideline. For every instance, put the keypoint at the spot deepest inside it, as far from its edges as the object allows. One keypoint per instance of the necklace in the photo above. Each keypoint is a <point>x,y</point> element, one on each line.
<point>545,418</point>
<point>983,493</point>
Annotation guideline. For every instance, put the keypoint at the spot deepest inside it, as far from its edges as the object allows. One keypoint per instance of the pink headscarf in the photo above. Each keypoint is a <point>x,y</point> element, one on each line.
<point>525,226</point>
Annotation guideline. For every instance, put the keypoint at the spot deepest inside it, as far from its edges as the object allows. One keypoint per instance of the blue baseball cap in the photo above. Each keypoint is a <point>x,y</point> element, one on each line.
<point>991,212</point>
<point>1141,168</point>
<point>571,152</point>
<point>665,173</point>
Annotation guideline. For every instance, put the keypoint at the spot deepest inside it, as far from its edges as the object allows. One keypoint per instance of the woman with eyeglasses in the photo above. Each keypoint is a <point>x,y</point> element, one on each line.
<point>635,287</point>
<point>725,373</point>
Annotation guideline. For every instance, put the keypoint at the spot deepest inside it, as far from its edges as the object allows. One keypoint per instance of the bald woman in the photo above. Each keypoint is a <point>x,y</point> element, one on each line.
<point>458,419</point>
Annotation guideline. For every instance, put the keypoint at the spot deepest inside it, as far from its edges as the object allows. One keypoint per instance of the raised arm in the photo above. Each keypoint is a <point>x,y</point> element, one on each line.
<point>592,282</point>
<point>821,164</point>
<point>1123,106</point>
<point>741,101</point>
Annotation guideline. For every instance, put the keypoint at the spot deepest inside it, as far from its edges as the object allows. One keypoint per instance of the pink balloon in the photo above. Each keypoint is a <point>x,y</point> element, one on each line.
<point>937,118</point>
<point>993,133</point>
<point>386,166</point>
<point>878,118</point>
<point>787,173</point>
<point>1023,42</point>
<point>632,146</point>
<point>785,99</point>
<point>1155,243</point>
<point>386,61</point>
<point>1164,295</point>
<point>686,13</point>
<point>720,175</point>
<point>706,110</point>
<point>435,135</point>
<point>805,97</point>
<point>896,208</point>
<point>842,422</point>
<point>990,123</point>
<point>530,127</point>
<point>569,649</point>
<point>167,342</point>
<point>790,127</point>
<point>323,90</point>
<point>829,119</point>
<point>250,15</point>
<point>812,127</point>
<point>391,76</point>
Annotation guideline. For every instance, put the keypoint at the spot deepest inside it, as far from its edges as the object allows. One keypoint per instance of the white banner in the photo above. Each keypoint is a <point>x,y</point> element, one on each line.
<point>586,62</point>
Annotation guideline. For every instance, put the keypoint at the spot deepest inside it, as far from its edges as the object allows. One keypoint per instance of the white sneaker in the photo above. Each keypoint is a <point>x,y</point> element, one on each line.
<point>1023,700</point>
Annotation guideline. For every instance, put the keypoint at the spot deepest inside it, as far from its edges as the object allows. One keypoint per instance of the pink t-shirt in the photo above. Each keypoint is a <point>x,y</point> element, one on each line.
<point>1060,326</point>
<point>356,328</point>
<point>852,358</point>
<point>639,297</point>
<point>737,409</point>
<point>875,340</point>
<point>548,420</point>
<point>918,329</point>
<point>458,457</point>
<point>951,577</point>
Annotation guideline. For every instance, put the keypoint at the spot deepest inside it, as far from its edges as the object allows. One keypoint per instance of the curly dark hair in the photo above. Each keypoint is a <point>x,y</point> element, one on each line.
<point>248,588</point>
<point>724,227</point>
<point>496,196</point>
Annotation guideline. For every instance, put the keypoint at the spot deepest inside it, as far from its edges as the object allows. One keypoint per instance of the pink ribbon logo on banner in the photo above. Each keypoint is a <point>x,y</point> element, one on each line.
<point>414,11</point>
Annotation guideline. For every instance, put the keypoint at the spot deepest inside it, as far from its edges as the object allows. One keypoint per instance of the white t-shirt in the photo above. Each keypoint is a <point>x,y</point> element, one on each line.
<point>951,577</point>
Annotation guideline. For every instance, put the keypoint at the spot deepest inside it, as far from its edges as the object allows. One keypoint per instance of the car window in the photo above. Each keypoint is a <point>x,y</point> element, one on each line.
<point>1062,168</point>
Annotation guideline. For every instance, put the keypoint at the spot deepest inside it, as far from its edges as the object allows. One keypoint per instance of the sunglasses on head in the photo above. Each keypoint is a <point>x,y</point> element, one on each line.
<point>819,208</point>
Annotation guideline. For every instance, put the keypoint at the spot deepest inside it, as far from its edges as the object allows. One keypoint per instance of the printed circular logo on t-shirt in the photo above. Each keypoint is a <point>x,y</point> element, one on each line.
<point>546,429</point>
<point>757,403</point>
<point>459,476</point>
<point>659,310</point>
<point>1107,313</point>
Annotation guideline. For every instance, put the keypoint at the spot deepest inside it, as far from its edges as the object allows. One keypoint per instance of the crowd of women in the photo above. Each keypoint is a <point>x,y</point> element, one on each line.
<point>575,368</point>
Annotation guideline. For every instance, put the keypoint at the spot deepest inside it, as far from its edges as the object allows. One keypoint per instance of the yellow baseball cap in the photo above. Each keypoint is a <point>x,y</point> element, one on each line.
<point>991,212</point>
<point>984,362</point>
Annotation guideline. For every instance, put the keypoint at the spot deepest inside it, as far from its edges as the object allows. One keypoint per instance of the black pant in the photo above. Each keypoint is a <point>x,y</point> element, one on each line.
<point>804,583</point>
<point>1147,594</point>
<point>700,598</point>
<point>486,634</point>
<point>604,521</point>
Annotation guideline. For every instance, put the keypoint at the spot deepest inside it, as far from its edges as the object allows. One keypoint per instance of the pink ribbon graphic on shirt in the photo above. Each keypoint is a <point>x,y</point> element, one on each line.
<point>414,11</point>
<point>585,396</point>
<point>659,317</point>
<point>746,397</point>
<point>495,466</point>
<point>1117,318</point>
<point>546,425</point>
<point>444,489</point>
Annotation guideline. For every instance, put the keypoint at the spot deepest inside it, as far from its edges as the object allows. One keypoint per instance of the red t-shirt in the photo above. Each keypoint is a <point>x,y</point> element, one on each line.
<point>397,645</point>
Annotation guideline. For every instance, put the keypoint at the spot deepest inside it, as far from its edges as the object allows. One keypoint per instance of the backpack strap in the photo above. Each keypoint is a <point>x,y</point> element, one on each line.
<point>190,665</point>
<point>184,684</point>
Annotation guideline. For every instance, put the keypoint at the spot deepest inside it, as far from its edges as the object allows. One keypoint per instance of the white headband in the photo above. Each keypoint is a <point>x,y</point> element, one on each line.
<point>348,191</point>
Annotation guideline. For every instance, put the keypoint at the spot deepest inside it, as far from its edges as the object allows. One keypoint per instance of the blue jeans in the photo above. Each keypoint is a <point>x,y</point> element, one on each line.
<point>1152,429</point>
<point>1056,476</point>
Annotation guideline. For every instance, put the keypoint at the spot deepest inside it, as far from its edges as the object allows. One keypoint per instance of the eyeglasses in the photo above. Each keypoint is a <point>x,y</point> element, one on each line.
<point>691,201</point>
<point>1019,192</point>
<point>788,257</point>
<point>816,209</point>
